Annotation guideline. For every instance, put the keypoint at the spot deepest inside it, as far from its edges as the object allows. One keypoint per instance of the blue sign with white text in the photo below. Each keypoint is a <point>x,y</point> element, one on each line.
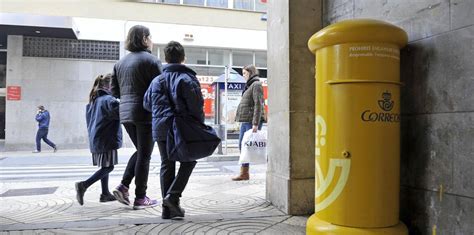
<point>232,86</point>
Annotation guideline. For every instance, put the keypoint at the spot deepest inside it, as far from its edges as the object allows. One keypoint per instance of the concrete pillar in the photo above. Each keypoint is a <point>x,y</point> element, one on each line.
<point>13,78</point>
<point>290,174</point>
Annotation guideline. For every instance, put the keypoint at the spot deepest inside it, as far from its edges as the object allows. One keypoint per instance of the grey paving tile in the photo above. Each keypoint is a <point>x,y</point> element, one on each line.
<point>435,83</point>
<point>207,217</point>
<point>462,13</point>
<point>297,221</point>
<point>95,230</point>
<point>463,155</point>
<point>422,210</point>
<point>420,19</point>
<point>221,197</point>
<point>239,202</point>
<point>217,188</point>
<point>284,229</point>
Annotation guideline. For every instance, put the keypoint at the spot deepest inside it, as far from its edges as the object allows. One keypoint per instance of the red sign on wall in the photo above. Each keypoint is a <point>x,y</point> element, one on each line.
<point>208,95</point>
<point>13,92</point>
<point>265,93</point>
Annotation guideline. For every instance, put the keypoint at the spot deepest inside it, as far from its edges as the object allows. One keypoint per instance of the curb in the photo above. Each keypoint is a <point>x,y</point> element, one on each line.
<point>221,158</point>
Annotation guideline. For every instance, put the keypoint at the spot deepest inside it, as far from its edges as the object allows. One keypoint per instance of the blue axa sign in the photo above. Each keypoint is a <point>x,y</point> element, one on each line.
<point>386,104</point>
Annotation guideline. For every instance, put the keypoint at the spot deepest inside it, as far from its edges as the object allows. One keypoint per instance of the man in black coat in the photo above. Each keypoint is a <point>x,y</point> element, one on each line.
<point>175,92</point>
<point>131,78</point>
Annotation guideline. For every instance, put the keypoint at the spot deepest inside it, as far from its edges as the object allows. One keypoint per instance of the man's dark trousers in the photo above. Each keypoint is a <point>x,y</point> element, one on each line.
<point>43,134</point>
<point>171,184</point>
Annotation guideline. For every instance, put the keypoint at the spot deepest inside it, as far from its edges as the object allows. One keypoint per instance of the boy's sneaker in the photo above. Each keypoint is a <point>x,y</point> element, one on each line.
<point>165,212</point>
<point>55,149</point>
<point>175,210</point>
<point>36,151</point>
<point>144,203</point>
<point>107,198</point>
<point>121,194</point>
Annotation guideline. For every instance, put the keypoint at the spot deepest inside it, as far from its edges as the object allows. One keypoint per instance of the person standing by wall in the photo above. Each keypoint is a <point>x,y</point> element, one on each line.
<point>131,77</point>
<point>249,112</point>
<point>105,137</point>
<point>176,92</point>
<point>43,118</point>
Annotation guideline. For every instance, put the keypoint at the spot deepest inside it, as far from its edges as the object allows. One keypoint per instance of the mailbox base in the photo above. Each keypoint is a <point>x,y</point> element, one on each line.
<point>317,226</point>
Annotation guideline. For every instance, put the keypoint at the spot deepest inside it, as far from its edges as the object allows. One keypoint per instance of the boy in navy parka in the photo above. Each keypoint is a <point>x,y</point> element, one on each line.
<point>175,92</point>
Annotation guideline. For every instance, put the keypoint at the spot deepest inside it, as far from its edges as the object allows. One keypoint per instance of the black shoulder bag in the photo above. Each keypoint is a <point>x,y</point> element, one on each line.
<point>189,139</point>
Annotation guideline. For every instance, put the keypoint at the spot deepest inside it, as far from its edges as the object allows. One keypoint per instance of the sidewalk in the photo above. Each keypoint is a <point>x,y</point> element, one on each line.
<point>214,204</point>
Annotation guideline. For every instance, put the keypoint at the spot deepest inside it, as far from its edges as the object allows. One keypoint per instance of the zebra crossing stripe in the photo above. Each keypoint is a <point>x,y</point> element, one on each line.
<point>82,171</point>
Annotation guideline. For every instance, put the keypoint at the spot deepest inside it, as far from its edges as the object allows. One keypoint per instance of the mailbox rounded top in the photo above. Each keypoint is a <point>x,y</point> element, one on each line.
<point>358,30</point>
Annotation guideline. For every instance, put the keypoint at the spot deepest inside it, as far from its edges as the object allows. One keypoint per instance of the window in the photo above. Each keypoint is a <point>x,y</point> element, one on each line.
<point>195,55</point>
<point>3,69</point>
<point>194,2</point>
<point>161,54</point>
<point>157,51</point>
<point>249,5</point>
<point>208,71</point>
<point>217,3</point>
<point>169,1</point>
<point>216,56</point>
<point>262,73</point>
<point>238,70</point>
<point>242,58</point>
<point>244,4</point>
<point>260,59</point>
<point>2,117</point>
<point>260,6</point>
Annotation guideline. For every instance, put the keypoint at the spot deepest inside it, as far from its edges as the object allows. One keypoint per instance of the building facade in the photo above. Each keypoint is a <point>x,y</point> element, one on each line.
<point>53,63</point>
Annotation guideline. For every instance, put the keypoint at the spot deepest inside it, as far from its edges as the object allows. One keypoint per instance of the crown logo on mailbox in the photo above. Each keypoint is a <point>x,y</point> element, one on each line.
<point>387,103</point>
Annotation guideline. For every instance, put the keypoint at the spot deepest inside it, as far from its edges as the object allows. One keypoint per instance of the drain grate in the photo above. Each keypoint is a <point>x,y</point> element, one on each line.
<point>29,192</point>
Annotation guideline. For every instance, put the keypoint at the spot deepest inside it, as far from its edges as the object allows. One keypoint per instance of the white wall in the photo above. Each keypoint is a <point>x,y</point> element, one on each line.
<point>61,85</point>
<point>143,12</point>
<point>162,33</point>
<point>205,36</point>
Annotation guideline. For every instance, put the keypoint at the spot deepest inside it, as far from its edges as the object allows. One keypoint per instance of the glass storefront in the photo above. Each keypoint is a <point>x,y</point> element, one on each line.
<point>247,5</point>
<point>212,61</point>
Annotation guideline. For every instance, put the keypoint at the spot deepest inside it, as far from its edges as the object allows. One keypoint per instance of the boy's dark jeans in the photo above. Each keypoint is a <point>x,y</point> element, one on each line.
<point>171,184</point>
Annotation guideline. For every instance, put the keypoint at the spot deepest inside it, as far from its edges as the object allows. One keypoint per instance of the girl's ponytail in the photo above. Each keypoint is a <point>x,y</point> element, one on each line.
<point>100,82</point>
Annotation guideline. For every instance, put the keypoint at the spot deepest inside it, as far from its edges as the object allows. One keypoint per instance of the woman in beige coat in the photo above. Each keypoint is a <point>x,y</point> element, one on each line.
<point>250,111</point>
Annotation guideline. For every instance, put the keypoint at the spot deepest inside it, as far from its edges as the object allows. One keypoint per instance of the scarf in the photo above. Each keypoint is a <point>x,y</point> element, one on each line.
<point>249,82</point>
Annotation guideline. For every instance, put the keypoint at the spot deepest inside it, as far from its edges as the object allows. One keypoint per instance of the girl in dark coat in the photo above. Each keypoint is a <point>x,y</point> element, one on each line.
<point>105,136</point>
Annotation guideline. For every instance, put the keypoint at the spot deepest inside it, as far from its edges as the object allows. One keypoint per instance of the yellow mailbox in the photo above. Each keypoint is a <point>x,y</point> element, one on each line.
<point>357,128</point>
